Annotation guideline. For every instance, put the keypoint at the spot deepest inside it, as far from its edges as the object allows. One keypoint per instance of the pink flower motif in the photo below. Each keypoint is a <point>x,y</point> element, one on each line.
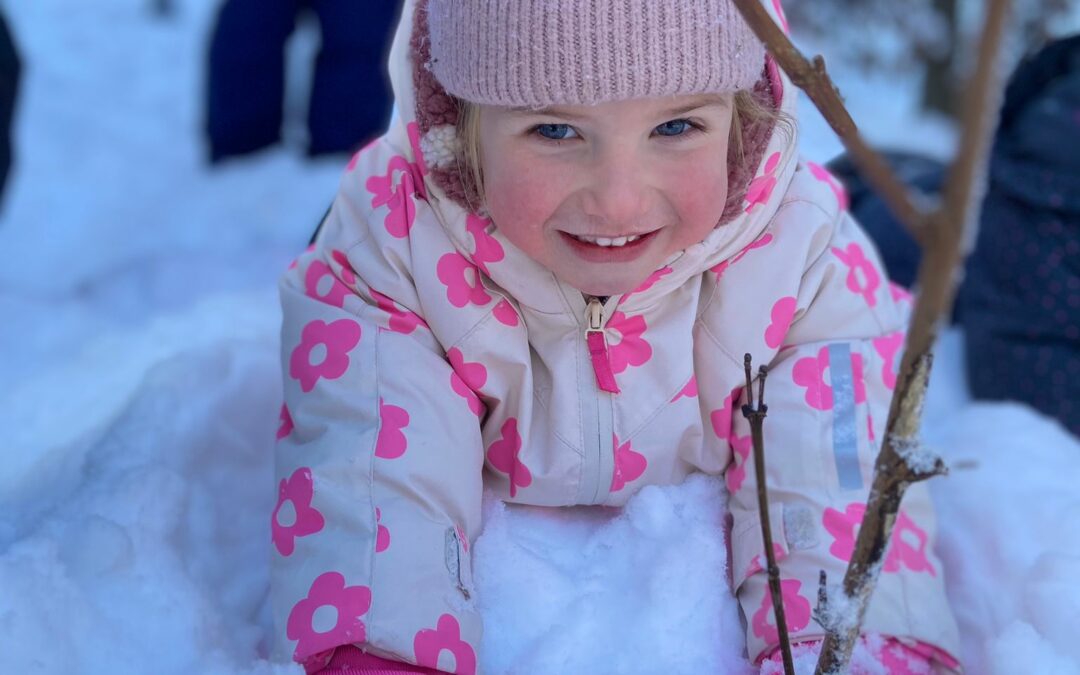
<point>329,616</point>
<point>863,278</point>
<point>503,455</point>
<point>889,348</point>
<point>488,249</point>
<point>505,313</point>
<point>347,273</point>
<point>721,417</point>
<point>809,372</point>
<point>321,284</point>
<point>870,428</point>
<point>757,564</point>
<point>286,426</point>
<point>907,546</point>
<point>294,516</point>
<point>761,242</point>
<point>736,473</point>
<point>783,313</point>
<point>629,465</point>
<point>689,391</point>
<point>796,612</point>
<point>397,195</point>
<point>429,643</point>
<point>900,294</point>
<point>401,320</point>
<point>631,349</point>
<point>462,537</point>
<point>462,281</point>
<point>323,351</point>
<point>761,188</point>
<point>780,14</point>
<point>823,175</point>
<point>467,379</point>
<point>649,283</point>
<point>382,536</point>
<point>391,442</point>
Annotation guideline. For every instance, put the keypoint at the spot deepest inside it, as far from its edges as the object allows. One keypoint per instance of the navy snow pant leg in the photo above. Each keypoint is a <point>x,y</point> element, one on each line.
<point>350,94</point>
<point>246,83</point>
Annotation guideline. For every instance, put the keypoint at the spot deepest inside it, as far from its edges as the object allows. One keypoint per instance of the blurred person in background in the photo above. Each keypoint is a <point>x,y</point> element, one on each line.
<point>350,93</point>
<point>1019,304</point>
<point>9,82</point>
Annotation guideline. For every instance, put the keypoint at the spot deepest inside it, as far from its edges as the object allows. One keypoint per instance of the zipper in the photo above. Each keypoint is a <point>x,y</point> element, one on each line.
<point>602,457</point>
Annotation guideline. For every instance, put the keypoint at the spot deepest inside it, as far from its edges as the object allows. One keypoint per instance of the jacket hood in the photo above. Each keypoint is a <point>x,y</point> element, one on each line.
<point>423,130</point>
<point>1035,158</point>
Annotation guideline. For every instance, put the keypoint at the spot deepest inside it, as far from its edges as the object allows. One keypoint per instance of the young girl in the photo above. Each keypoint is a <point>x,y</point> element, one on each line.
<point>542,281</point>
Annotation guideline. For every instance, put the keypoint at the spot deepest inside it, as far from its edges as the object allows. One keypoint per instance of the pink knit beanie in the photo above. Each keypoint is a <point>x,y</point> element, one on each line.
<point>535,53</point>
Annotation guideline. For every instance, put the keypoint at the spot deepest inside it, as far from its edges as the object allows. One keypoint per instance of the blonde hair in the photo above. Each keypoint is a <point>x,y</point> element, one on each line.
<point>748,110</point>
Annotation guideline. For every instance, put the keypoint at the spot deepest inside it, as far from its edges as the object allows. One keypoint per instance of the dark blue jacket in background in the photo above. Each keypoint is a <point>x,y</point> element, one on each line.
<point>9,80</point>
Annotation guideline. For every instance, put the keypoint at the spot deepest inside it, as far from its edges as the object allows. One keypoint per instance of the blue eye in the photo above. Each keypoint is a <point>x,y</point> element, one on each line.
<point>674,128</point>
<point>555,132</point>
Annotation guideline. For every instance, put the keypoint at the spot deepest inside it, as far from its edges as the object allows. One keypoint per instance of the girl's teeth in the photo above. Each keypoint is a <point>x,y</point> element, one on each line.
<point>607,242</point>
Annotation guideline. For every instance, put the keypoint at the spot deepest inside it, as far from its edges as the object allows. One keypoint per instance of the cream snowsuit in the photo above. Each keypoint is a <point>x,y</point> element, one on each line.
<point>426,358</point>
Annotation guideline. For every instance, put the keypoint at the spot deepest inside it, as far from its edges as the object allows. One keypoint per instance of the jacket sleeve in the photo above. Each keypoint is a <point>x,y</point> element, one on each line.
<point>828,392</point>
<point>378,465</point>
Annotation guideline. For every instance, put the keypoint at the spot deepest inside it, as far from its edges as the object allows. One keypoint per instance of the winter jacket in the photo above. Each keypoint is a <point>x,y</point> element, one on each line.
<point>1020,304</point>
<point>426,358</point>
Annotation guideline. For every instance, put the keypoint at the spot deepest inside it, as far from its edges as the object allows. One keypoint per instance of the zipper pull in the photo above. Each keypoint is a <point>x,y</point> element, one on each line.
<point>598,348</point>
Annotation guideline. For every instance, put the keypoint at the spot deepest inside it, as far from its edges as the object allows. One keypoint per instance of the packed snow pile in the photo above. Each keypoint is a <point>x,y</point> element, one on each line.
<point>142,386</point>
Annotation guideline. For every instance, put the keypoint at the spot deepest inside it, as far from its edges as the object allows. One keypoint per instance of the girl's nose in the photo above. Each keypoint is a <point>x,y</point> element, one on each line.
<point>618,193</point>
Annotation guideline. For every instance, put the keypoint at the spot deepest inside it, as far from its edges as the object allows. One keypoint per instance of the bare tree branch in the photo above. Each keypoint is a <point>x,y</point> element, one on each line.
<point>756,417</point>
<point>941,234</point>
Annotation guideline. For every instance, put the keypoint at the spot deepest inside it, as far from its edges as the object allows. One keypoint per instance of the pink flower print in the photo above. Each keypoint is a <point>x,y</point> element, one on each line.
<point>329,616</point>
<point>870,428</point>
<point>382,536</point>
<point>462,537</point>
<point>649,283</point>
<point>467,379</point>
<point>810,372</point>
<point>429,643</point>
<point>391,442</point>
<point>505,313</point>
<point>397,195</point>
<point>889,347</point>
<point>296,262</point>
<point>347,274</point>
<point>321,284</point>
<point>761,242</point>
<point>907,546</point>
<point>323,351</point>
<point>736,473</point>
<point>761,188</point>
<point>783,18</point>
<point>462,281</point>
<point>689,391</point>
<point>401,320</point>
<point>294,516</point>
<point>757,564</point>
<point>632,349</point>
<point>721,417</point>
<point>629,465</point>
<point>503,455</point>
<point>783,313</point>
<point>900,294</point>
<point>863,278</point>
<point>488,249</point>
<point>351,166</point>
<point>286,426</point>
<point>823,175</point>
<point>796,612</point>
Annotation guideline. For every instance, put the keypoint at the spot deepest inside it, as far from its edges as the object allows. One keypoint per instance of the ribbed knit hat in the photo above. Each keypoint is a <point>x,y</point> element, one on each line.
<point>535,53</point>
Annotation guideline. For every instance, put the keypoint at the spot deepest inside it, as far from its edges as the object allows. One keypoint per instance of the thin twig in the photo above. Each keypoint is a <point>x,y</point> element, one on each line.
<point>756,417</point>
<point>813,78</point>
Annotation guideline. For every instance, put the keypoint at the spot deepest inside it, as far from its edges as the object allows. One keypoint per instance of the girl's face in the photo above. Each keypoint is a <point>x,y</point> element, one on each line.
<point>603,195</point>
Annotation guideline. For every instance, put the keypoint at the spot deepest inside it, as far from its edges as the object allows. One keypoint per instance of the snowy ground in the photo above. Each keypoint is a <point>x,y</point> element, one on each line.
<point>141,389</point>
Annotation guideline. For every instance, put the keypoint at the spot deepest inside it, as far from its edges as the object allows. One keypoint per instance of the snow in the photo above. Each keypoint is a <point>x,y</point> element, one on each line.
<point>142,388</point>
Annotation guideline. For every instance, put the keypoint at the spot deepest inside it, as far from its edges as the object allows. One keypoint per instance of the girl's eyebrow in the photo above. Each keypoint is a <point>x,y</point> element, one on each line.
<point>701,101</point>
